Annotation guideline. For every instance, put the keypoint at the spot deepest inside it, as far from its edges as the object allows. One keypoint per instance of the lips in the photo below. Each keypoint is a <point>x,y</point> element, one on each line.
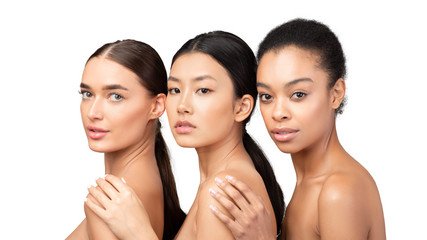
<point>284,134</point>
<point>184,127</point>
<point>96,132</point>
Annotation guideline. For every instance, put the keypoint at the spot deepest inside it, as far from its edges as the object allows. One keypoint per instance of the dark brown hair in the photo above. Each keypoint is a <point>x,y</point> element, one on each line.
<point>146,63</point>
<point>238,59</point>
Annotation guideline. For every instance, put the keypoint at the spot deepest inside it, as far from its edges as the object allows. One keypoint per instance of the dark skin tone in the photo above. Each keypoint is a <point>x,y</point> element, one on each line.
<point>334,197</point>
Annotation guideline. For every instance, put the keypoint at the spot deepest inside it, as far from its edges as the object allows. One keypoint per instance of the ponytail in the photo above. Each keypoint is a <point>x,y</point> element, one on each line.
<point>145,62</point>
<point>173,214</point>
<point>264,168</point>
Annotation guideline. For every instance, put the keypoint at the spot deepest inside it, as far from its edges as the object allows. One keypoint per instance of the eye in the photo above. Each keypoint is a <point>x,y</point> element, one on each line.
<point>115,97</point>
<point>85,94</point>
<point>203,91</point>
<point>298,95</point>
<point>173,91</point>
<point>265,98</point>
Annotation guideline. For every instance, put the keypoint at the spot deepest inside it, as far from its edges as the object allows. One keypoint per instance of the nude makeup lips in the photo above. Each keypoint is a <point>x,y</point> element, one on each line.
<point>284,134</point>
<point>96,132</point>
<point>184,127</point>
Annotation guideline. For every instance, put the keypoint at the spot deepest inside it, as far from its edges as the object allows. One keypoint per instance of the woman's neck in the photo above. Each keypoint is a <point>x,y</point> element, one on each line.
<point>118,162</point>
<point>317,160</point>
<point>215,158</point>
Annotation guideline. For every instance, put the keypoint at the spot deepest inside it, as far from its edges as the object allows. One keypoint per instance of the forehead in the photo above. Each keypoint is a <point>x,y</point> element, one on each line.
<point>103,71</point>
<point>289,63</point>
<point>196,64</point>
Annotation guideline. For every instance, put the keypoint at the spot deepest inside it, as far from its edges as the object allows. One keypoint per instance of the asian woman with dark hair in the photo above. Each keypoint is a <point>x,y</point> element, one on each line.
<point>212,93</point>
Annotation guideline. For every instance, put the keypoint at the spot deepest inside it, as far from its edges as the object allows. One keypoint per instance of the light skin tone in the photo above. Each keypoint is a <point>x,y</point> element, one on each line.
<point>334,196</point>
<point>200,90</point>
<point>119,117</point>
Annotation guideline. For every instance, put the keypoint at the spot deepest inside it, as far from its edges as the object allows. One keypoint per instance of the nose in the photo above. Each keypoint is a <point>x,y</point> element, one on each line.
<point>95,110</point>
<point>280,110</point>
<point>184,105</point>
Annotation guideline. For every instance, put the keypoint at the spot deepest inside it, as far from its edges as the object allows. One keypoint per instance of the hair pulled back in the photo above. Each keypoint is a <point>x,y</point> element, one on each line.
<point>146,63</point>
<point>238,59</point>
<point>313,36</point>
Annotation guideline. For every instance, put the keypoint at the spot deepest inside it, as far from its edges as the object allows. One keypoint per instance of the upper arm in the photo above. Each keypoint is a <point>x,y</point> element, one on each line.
<point>342,209</point>
<point>80,233</point>
<point>207,224</point>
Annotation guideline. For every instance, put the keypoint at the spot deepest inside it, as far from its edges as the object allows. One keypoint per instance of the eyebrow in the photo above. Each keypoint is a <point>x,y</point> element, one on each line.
<point>108,87</point>
<point>200,78</point>
<point>287,85</point>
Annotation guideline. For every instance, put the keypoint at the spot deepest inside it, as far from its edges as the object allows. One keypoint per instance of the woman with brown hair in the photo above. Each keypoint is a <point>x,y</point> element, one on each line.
<point>123,92</point>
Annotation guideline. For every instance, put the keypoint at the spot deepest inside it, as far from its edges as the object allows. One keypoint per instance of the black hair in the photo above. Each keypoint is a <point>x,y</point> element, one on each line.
<point>313,36</point>
<point>238,59</point>
<point>146,63</point>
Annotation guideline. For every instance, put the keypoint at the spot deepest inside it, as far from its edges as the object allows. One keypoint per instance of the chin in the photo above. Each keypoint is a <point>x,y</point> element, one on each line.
<point>186,144</point>
<point>287,147</point>
<point>99,148</point>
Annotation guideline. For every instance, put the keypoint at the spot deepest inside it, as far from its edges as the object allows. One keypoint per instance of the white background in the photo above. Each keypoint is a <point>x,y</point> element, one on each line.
<point>45,164</point>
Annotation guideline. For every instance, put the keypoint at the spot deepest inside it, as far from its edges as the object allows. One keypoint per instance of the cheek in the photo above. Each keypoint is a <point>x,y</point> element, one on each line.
<point>314,115</point>
<point>217,112</point>
<point>267,113</point>
<point>84,108</point>
<point>131,121</point>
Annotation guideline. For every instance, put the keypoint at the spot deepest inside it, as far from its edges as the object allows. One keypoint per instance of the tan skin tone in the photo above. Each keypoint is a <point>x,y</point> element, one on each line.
<point>334,197</point>
<point>199,90</point>
<point>107,89</point>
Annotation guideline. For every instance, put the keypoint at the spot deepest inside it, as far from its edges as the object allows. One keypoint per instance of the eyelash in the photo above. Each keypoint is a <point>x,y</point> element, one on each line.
<point>173,91</point>
<point>87,94</point>
<point>83,93</point>
<point>262,97</point>
<point>298,98</point>
<point>201,91</point>
<point>115,94</point>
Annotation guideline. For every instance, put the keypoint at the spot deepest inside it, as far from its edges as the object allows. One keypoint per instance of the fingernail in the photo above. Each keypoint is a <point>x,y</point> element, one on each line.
<point>105,176</point>
<point>123,180</point>
<point>212,191</point>
<point>212,208</point>
<point>229,178</point>
<point>218,180</point>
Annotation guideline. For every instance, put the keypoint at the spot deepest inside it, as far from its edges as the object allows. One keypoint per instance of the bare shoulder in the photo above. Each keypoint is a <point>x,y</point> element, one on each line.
<point>148,187</point>
<point>349,202</point>
<point>352,184</point>
<point>207,224</point>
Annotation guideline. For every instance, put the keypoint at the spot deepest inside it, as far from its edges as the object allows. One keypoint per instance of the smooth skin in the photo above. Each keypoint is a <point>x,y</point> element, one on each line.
<point>114,100</point>
<point>204,114</point>
<point>334,197</point>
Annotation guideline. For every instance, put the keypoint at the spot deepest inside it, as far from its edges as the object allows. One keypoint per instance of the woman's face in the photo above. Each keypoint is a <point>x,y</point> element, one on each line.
<point>115,107</point>
<point>200,101</point>
<point>295,101</point>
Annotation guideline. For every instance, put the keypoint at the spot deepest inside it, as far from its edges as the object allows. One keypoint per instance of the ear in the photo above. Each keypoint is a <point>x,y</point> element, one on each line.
<point>337,93</point>
<point>158,106</point>
<point>243,108</point>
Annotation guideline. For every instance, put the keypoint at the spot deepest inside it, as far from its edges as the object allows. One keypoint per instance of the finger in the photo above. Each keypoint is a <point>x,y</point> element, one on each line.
<point>227,204</point>
<point>234,227</point>
<point>233,193</point>
<point>117,183</point>
<point>99,196</point>
<point>105,186</point>
<point>99,211</point>
<point>244,189</point>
